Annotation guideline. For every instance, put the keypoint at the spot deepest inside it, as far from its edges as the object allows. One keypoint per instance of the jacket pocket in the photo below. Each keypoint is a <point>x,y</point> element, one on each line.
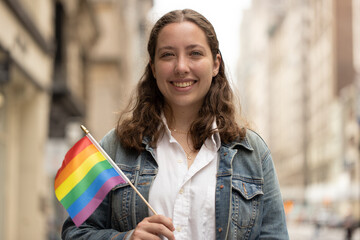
<point>246,195</point>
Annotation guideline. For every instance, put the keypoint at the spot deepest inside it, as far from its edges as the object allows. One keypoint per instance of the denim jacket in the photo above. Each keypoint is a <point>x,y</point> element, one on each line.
<point>248,202</point>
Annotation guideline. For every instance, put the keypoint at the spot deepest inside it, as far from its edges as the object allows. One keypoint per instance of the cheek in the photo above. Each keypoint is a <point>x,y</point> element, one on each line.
<point>160,85</point>
<point>205,67</point>
<point>162,70</point>
<point>206,72</point>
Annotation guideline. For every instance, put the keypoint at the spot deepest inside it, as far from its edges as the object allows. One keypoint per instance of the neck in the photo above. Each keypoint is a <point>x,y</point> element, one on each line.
<point>182,118</point>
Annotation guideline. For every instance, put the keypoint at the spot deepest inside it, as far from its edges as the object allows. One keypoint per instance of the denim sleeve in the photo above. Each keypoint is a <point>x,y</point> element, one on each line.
<point>274,221</point>
<point>96,227</point>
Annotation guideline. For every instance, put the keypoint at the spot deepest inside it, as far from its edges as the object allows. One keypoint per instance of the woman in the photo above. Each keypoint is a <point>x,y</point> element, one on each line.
<point>206,176</point>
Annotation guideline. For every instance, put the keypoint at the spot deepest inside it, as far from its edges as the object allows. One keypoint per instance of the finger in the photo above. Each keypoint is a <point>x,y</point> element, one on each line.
<point>163,220</point>
<point>161,229</point>
<point>154,225</point>
<point>154,228</point>
<point>141,234</point>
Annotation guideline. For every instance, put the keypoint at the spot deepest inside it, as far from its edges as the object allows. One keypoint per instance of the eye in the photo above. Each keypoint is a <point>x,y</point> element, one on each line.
<point>166,54</point>
<point>196,53</point>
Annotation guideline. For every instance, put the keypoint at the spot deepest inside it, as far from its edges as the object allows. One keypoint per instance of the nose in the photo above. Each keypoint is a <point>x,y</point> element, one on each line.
<point>182,66</point>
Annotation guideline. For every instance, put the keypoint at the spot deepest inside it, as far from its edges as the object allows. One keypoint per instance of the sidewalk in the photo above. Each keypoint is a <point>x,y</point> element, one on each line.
<point>309,232</point>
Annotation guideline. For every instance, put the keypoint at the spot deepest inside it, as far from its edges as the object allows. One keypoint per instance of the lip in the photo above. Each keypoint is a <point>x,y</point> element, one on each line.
<point>183,84</point>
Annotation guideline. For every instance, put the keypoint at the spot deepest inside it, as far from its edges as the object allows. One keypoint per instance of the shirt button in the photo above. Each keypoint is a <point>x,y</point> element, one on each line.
<point>221,186</point>
<point>181,191</point>
<point>220,229</point>
<point>179,161</point>
<point>178,228</point>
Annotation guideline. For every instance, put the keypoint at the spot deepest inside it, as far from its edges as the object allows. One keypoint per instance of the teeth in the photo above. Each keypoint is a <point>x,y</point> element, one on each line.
<point>182,84</point>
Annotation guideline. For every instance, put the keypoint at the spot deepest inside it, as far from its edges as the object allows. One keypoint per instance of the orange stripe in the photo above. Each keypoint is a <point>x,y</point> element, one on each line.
<point>74,164</point>
<point>75,150</point>
<point>78,175</point>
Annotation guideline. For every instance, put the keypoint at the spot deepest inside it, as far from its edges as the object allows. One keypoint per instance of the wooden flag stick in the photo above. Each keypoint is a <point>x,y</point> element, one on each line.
<point>117,169</point>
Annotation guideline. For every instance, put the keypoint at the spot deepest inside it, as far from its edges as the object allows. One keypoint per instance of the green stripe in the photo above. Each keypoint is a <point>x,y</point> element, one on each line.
<point>81,187</point>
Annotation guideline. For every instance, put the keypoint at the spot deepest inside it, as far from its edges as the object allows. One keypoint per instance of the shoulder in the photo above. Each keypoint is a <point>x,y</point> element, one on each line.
<point>250,141</point>
<point>261,149</point>
<point>109,140</point>
<point>255,140</point>
<point>112,146</point>
<point>251,156</point>
<point>252,144</point>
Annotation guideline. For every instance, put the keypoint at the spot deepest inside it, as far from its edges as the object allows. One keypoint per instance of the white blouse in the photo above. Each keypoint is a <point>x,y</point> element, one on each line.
<point>187,195</point>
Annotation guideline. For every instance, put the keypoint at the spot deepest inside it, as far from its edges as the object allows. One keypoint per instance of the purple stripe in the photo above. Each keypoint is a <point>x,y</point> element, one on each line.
<point>95,202</point>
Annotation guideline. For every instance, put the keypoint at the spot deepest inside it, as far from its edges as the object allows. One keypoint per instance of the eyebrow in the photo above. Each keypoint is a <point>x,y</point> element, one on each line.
<point>165,48</point>
<point>191,46</point>
<point>195,46</point>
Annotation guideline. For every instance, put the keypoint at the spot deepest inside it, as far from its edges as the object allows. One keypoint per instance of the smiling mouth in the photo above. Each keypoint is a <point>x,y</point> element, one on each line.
<point>183,84</point>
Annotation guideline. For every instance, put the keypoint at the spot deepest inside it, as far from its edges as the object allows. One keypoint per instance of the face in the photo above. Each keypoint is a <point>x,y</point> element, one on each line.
<point>183,65</point>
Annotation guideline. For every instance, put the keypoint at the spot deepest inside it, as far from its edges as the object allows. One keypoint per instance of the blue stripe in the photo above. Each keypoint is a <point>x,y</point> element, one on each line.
<point>89,194</point>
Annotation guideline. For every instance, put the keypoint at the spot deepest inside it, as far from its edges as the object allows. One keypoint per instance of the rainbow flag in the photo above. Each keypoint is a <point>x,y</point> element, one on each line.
<point>84,180</point>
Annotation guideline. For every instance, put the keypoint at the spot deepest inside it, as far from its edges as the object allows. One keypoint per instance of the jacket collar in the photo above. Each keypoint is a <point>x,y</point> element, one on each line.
<point>244,142</point>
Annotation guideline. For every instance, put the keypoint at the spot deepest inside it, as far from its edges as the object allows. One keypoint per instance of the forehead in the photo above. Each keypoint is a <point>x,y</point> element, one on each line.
<point>181,33</point>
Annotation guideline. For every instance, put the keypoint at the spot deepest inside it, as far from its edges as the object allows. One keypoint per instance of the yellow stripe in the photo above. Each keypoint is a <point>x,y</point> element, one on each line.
<point>75,163</point>
<point>78,175</point>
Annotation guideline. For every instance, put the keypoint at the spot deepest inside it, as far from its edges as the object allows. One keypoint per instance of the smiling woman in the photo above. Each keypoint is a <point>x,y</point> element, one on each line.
<point>205,174</point>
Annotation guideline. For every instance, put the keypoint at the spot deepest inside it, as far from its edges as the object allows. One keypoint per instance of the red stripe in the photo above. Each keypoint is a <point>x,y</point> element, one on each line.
<point>73,165</point>
<point>75,150</point>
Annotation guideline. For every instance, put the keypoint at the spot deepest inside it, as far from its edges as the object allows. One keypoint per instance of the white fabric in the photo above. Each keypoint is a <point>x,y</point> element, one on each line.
<point>186,195</point>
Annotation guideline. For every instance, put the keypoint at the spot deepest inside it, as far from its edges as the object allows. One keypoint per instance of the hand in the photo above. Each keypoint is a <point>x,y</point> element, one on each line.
<point>154,226</point>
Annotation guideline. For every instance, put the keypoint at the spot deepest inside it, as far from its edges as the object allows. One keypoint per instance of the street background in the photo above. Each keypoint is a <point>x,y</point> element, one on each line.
<point>294,64</point>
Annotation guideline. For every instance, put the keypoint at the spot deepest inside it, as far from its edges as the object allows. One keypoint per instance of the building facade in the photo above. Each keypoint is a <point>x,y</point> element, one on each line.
<point>309,73</point>
<point>25,88</point>
<point>116,61</point>
<point>271,76</point>
<point>103,53</point>
<point>62,63</point>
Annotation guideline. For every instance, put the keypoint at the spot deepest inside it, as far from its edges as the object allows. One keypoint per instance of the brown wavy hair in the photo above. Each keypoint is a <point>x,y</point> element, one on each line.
<point>143,115</point>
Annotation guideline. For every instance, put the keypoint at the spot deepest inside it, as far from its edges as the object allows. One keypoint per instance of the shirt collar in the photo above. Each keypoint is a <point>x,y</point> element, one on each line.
<point>215,138</point>
<point>167,130</point>
<point>213,143</point>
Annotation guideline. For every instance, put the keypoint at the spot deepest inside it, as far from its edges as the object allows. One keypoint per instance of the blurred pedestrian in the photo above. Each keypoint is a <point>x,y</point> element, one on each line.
<point>181,145</point>
<point>349,226</point>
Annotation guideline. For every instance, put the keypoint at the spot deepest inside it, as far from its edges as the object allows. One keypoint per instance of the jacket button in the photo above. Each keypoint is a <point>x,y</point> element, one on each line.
<point>220,229</point>
<point>225,154</point>
<point>221,186</point>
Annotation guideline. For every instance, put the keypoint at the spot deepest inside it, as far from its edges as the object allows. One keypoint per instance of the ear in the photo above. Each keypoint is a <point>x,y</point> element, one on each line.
<point>216,66</point>
<point>152,68</point>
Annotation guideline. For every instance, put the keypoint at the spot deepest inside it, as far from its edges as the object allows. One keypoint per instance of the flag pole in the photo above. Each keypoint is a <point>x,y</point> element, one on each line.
<point>113,164</point>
